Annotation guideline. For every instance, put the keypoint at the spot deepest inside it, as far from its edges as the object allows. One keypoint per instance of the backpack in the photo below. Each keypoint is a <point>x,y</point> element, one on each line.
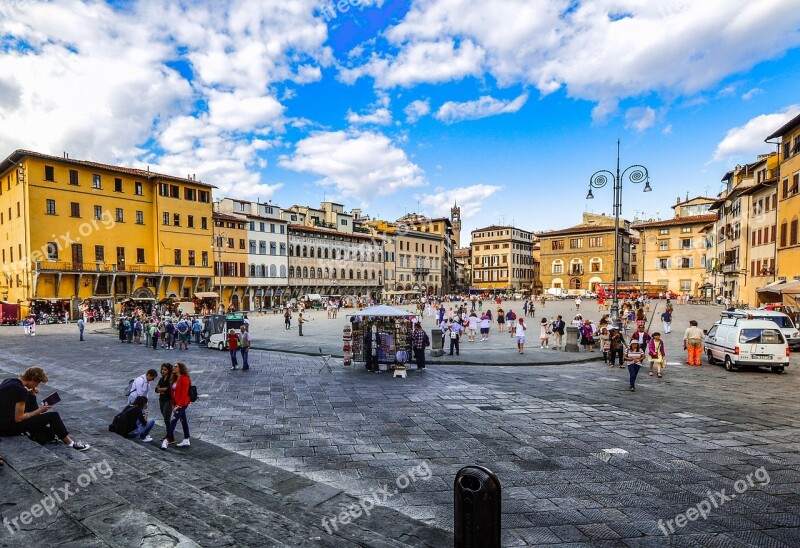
<point>116,425</point>
<point>192,393</point>
<point>129,389</point>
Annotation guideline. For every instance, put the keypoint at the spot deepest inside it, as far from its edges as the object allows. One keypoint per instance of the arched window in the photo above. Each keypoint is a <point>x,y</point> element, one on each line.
<point>358,274</point>
<point>291,272</point>
<point>273,271</point>
<point>373,274</point>
<point>576,268</point>
<point>558,266</point>
<point>305,251</point>
<point>319,252</point>
<point>262,271</point>
<point>305,272</point>
<point>575,283</point>
<point>326,252</point>
<point>595,264</point>
<point>351,273</point>
<point>252,271</point>
<point>311,252</point>
<point>297,251</point>
<point>333,253</point>
<point>313,272</point>
<point>366,274</point>
<point>333,272</point>
<point>327,272</point>
<point>319,273</point>
<point>283,271</point>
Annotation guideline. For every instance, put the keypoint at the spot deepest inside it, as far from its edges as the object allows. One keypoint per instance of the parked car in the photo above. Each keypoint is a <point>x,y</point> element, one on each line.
<point>742,342</point>
<point>783,321</point>
<point>220,340</point>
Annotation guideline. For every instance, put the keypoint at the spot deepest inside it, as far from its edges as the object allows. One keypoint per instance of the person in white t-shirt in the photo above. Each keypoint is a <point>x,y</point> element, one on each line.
<point>486,324</point>
<point>472,327</point>
<point>520,332</point>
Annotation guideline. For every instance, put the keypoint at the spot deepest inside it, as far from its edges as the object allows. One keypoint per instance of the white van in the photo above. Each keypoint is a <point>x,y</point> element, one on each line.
<point>741,342</point>
<point>783,321</point>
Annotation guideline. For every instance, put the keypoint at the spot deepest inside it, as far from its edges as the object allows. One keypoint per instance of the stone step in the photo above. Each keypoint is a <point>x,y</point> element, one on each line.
<point>227,499</point>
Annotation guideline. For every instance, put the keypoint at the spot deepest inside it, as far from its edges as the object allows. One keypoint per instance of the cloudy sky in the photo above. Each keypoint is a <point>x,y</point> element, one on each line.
<point>506,106</point>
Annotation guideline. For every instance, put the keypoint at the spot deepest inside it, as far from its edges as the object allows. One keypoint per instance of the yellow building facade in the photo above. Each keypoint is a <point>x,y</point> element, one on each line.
<point>231,260</point>
<point>788,237</point>
<point>502,259</point>
<point>75,231</point>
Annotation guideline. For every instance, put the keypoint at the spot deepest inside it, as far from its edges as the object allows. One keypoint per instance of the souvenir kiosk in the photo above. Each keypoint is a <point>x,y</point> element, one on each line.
<point>379,336</point>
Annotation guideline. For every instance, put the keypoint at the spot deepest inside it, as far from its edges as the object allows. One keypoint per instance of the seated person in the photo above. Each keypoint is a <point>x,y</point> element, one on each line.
<point>132,421</point>
<point>18,416</point>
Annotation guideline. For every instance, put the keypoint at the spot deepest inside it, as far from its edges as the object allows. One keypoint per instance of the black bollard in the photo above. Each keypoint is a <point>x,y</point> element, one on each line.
<point>478,501</point>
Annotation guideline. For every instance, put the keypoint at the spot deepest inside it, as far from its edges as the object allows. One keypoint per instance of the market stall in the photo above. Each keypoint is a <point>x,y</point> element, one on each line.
<point>97,308</point>
<point>137,306</point>
<point>380,336</point>
<point>50,310</point>
<point>206,302</point>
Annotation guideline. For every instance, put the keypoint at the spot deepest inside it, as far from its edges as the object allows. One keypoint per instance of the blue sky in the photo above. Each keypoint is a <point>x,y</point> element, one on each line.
<point>396,106</point>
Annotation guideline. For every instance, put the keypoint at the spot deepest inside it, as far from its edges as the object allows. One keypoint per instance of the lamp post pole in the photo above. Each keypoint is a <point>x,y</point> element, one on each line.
<point>638,174</point>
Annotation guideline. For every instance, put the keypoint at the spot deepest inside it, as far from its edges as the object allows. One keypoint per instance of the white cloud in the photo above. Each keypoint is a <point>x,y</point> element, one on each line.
<point>484,107</point>
<point>470,199</point>
<point>380,117</point>
<point>667,130</point>
<point>746,141</point>
<point>602,51</point>
<point>199,79</point>
<point>640,118</point>
<point>752,93</point>
<point>416,110</point>
<point>360,165</point>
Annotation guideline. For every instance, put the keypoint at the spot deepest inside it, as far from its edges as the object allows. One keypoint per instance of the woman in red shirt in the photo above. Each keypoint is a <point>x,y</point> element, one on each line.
<point>181,381</point>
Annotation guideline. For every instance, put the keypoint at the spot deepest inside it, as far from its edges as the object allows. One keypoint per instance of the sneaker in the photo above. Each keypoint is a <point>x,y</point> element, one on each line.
<point>164,444</point>
<point>633,389</point>
<point>233,367</point>
<point>80,446</point>
<point>184,443</point>
<point>148,439</point>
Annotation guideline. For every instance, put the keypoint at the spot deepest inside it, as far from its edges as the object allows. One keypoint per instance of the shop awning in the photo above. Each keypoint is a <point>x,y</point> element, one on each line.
<point>186,307</point>
<point>382,310</point>
<point>48,299</point>
<point>776,287</point>
<point>206,295</point>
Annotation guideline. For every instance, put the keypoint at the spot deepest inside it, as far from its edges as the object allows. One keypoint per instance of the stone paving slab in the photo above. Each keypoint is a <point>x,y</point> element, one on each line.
<point>544,430</point>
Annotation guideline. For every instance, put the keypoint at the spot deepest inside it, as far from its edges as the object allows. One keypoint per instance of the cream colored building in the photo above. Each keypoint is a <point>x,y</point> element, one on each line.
<point>502,259</point>
<point>672,252</point>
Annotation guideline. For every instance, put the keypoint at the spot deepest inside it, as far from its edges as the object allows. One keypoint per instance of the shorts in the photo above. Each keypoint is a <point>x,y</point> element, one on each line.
<point>520,339</point>
<point>472,331</point>
<point>184,338</point>
<point>484,330</point>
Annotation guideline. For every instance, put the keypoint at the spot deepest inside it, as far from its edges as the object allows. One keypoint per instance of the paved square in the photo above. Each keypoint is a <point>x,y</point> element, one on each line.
<point>581,459</point>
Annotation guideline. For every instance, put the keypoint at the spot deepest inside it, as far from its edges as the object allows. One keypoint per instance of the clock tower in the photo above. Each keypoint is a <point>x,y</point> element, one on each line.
<point>455,221</point>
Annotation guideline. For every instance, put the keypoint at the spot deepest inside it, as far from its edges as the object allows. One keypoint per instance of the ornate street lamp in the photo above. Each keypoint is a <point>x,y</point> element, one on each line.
<point>635,174</point>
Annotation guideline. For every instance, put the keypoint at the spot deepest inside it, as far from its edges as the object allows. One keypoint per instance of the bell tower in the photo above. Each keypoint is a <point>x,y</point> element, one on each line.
<point>455,221</point>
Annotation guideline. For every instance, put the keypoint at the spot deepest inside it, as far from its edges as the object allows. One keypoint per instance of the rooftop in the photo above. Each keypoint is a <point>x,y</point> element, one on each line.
<point>694,219</point>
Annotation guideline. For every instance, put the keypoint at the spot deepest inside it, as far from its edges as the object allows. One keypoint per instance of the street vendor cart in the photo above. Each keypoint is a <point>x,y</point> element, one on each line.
<point>380,337</point>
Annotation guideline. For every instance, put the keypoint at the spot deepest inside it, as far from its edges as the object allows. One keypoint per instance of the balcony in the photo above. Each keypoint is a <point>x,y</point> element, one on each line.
<point>576,271</point>
<point>63,266</point>
<point>421,271</point>
<point>730,268</point>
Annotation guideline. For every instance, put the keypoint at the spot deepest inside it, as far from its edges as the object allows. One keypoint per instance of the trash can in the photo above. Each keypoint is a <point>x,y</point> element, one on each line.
<point>573,338</point>
<point>477,511</point>
<point>437,343</point>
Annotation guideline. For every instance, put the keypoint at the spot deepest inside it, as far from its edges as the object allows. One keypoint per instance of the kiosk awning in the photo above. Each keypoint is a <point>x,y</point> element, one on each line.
<point>206,295</point>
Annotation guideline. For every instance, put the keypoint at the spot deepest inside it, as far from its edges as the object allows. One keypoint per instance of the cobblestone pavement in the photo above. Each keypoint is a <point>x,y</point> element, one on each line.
<point>546,432</point>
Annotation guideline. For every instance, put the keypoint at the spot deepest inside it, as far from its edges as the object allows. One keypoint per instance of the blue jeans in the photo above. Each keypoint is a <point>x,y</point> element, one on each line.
<point>633,369</point>
<point>233,352</point>
<point>142,430</point>
<point>179,415</point>
<point>245,352</point>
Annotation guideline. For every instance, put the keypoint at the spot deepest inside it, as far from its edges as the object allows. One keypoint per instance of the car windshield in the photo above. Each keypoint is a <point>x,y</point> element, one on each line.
<point>760,336</point>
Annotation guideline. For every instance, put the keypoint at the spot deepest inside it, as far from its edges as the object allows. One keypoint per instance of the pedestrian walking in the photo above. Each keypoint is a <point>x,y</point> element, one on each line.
<point>300,321</point>
<point>657,353</point>
<point>244,344</point>
<point>501,320</point>
<point>287,319</point>
<point>511,320</point>
<point>454,330</point>
<point>633,358</point>
<point>419,341</point>
<point>520,329</point>
<point>141,385</point>
<point>587,336</point>
<point>486,324</point>
<point>81,327</point>
<point>577,303</point>
<point>472,326</point>
<point>616,347</point>
<point>233,347</point>
<point>179,390</point>
<point>666,318</point>
<point>605,343</point>
<point>692,343</point>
